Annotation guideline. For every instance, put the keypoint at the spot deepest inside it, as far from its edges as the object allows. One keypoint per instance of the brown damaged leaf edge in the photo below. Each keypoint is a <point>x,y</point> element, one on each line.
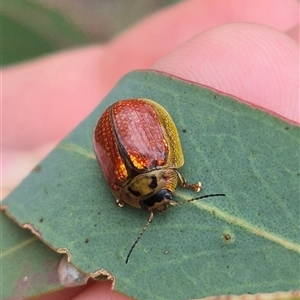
<point>25,225</point>
<point>94,275</point>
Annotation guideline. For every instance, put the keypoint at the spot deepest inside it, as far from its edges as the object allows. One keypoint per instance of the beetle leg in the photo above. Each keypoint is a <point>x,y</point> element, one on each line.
<point>191,186</point>
<point>120,203</point>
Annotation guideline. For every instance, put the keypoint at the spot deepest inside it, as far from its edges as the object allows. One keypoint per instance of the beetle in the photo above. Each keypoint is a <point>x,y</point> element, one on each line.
<point>137,145</point>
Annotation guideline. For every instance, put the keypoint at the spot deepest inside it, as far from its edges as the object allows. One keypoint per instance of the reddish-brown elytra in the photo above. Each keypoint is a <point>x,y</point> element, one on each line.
<point>137,145</point>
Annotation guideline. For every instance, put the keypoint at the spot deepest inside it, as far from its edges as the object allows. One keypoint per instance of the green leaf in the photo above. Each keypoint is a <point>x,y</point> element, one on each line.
<point>30,29</point>
<point>28,266</point>
<point>247,242</point>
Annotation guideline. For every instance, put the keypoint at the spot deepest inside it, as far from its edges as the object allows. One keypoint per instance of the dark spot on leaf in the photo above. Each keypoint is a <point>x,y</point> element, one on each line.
<point>58,184</point>
<point>41,220</point>
<point>184,130</point>
<point>287,128</point>
<point>86,241</point>
<point>227,236</point>
<point>37,168</point>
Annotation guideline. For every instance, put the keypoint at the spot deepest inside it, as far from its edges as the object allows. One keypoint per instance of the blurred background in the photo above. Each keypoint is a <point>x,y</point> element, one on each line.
<point>31,28</point>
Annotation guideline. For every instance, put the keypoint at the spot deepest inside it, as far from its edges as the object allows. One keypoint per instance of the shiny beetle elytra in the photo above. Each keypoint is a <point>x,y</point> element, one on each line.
<point>137,145</point>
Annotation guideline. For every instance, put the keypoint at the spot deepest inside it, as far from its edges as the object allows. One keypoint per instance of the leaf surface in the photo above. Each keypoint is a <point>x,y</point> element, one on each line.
<point>28,266</point>
<point>246,242</point>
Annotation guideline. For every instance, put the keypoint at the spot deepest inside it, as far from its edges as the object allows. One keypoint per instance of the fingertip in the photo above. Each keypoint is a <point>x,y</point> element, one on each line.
<point>252,62</point>
<point>101,290</point>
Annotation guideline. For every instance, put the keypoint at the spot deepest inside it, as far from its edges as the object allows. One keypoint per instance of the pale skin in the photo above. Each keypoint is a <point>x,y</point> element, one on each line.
<point>202,41</point>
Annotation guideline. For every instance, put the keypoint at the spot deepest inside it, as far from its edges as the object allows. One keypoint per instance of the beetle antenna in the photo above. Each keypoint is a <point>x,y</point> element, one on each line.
<point>140,235</point>
<point>197,198</point>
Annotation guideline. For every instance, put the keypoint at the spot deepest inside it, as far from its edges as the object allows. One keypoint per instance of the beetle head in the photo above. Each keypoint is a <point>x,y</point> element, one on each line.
<point>158,202</point>
<point>151,191</point>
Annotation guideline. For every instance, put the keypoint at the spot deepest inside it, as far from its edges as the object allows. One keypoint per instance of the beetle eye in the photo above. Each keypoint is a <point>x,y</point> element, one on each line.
<point>168,195</point>
<point>153,201</point>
